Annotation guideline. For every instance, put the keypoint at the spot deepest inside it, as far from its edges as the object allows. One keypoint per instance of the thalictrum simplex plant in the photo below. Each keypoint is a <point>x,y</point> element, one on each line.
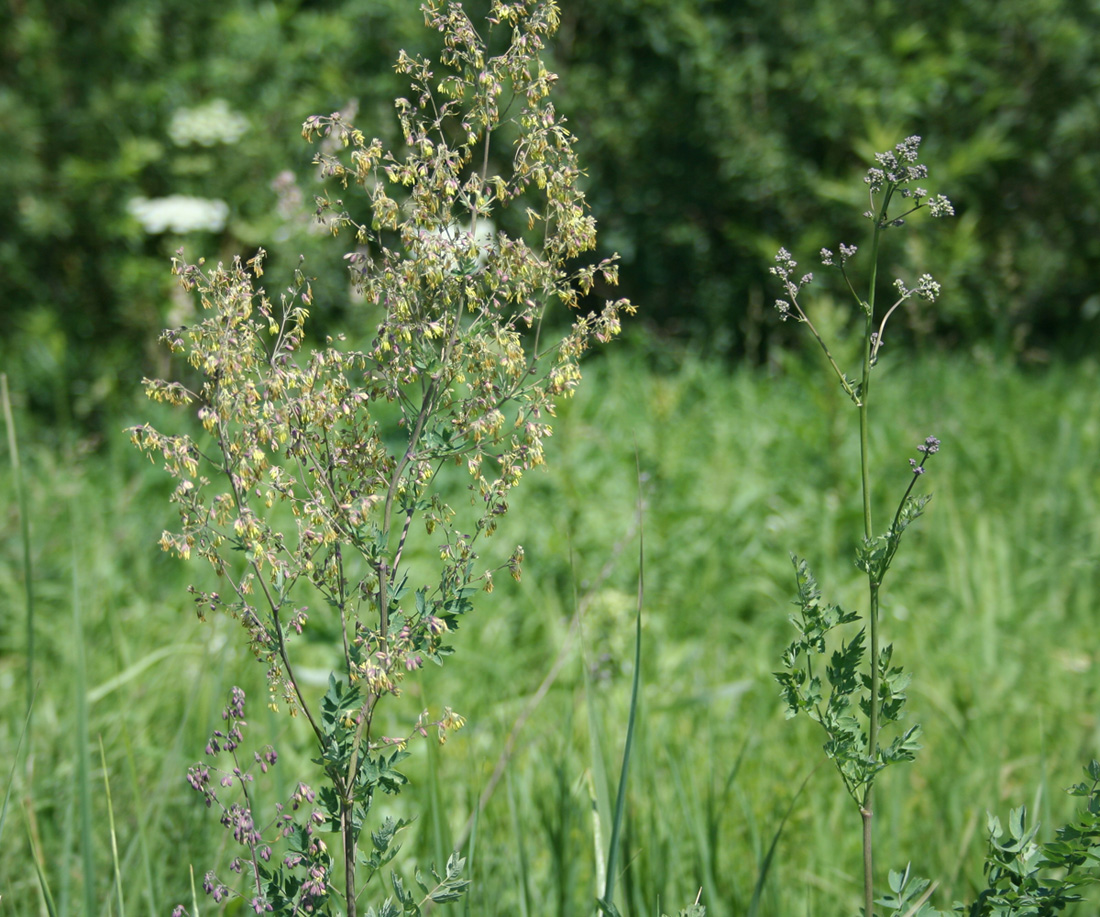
<point>315,465</point>
<point>865,690</point>
<point>860,690</point>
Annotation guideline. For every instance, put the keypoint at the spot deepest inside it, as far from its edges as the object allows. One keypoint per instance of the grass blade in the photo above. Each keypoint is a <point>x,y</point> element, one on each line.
<point>24,533</point>
<point>194,897</point>
<point>523,867</point>
<point>11,774</point>
<point>83,768</point>
<point>36,857</point>
<point>697,829</point>
<point>111,826</point>
<point>441,844</point>
<point>142,820</point>
<point>620,801</point>
<point>597,778</point>
<point>471,848</point>
<point>765,866</point>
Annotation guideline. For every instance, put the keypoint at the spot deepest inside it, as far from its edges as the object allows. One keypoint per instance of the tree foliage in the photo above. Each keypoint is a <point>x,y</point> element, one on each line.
<point>713,131</point>
<point>725,129</point>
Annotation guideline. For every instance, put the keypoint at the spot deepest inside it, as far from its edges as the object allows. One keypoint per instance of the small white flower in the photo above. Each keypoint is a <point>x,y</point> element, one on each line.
<point>178,213</point>
<point>927,288</point>
<point>209,124</point>
<point>940,206</point>
<point>452,243</point>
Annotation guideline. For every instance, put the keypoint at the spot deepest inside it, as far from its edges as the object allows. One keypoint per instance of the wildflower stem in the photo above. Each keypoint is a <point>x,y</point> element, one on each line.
<point>845,384</point>
<point>867,808</point>
<point>858,667</point>
<point>274,603</point>
<point>249,835</point>
<point>281,637</point>
<point>882,328</point>
<point>349,839</point>
<point>386,571</point>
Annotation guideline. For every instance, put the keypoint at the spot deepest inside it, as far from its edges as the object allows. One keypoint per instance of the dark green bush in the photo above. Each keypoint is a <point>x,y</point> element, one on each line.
<point>714,132</point>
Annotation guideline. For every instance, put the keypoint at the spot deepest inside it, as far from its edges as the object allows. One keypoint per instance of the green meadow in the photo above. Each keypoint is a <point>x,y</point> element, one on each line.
<point>719,473</point>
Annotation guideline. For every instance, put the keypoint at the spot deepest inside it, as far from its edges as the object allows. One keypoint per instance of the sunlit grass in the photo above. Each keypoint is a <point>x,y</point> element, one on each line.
<point>993,607</point>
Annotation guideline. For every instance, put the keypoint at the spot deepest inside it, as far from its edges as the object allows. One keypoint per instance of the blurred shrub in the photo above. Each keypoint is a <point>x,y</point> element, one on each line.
<point>717,130</point>
<point>135,127</point>
<point>714,132</point>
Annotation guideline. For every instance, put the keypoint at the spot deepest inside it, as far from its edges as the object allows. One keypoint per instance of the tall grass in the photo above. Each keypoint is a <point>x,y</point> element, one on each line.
<point>738,469</point>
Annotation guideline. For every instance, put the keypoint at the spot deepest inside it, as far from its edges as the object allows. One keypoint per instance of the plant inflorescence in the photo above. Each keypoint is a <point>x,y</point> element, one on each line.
<point>316,464</point>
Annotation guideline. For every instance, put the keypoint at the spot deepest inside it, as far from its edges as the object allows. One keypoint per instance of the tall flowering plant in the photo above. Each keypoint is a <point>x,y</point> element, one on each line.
<point>857,690</point>
<point>318,466</point>
<point>852,688</point>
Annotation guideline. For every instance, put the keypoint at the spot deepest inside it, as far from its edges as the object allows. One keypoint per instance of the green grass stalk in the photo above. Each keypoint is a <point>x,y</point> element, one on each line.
<point>82,756</point>
<point>24,536</point>
<point>522,865</point>
<point>39,871</point>
<point>11,773</point>
<point>597,783</point>
<point>194,896</point>
<point>766,863</point>
<point>441,842</point>
<point>141,818</point>
<point>111,828</point>
<point>620,799</point>
<point>471,849</point>
<point>635,686</point>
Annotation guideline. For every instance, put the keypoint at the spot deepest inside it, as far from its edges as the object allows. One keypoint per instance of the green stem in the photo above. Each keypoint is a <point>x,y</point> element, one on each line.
<point>350,846</point>
<point>25,538</point>
<point>867,808</point>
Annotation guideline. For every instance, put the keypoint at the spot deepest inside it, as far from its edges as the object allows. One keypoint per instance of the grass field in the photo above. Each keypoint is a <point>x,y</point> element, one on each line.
<point>993,605</point>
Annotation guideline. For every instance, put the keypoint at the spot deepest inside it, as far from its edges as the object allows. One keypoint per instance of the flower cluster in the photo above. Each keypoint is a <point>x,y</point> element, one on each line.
<point>897,168</point>
<point>178,213</point>
<point>206,125</point>
<point>784,270</point>
<point>460,354</point>
<point>927,288</point>
<point>895,172</point>
<point>313,465</point>
<point>237,817</point>
<point>930,446</point>
<point>846,252</point>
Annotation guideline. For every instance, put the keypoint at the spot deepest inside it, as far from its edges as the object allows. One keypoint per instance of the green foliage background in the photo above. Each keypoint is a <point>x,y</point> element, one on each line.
<point>713,131</point>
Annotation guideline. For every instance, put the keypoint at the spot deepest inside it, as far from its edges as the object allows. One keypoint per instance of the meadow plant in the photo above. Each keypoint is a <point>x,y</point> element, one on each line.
<point>315,465</point>
<point>857,691</point>
<point>866,691</point>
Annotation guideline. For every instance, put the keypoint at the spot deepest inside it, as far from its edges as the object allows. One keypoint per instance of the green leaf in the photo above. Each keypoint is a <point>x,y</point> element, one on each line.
<point>843,669</point>
<point>871,554</point>
<point>903,748</point>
